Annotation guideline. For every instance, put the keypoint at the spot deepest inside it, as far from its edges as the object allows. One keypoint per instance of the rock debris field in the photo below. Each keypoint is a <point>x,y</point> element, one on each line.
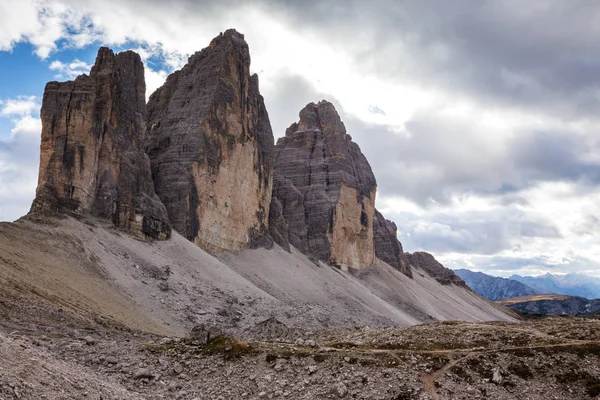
<point>48,352</point>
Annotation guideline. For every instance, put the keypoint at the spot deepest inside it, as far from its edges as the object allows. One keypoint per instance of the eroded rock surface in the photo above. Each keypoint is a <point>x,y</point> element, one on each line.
<point>429,264</point>
<point>211,148</point>
<point>326,189</point>
<point>92,158</point>
<point>387,246</point>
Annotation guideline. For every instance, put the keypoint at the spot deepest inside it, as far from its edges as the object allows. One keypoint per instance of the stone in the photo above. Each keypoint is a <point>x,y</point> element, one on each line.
<point>211,148</point>
<point>387,246</point>
<point>426,262</point>
<point>90,341</point>
<point>143,373</point>
<point>205,334</point>
<point>326,190</point>
<point>497,376</point>
<point>92,159</point>
<point>341,389</point>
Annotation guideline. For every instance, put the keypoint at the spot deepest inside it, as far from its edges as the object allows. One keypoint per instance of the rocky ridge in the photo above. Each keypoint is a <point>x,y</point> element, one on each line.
<point>222,182</point>
<point>429,264</point>
<point>492,287</point>
<point>387,246</point>
<point>553,304</point>
<point>88,311</point>
<point>92,159</point>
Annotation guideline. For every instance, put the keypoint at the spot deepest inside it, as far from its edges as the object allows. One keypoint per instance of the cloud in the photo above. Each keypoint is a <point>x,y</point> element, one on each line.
<point>376,110</point>
<point>479,118</point>
<point>20,106</point>
<point>70,70</point>
<point>19,157</point>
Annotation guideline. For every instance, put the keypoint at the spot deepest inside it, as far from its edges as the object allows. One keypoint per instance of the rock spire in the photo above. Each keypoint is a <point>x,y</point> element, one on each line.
<point>92,158</point>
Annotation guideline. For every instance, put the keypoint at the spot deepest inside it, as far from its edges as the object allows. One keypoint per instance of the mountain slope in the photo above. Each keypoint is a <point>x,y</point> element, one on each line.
<point>170,286</point>
<point>492,287</point>
<point>569,284</point>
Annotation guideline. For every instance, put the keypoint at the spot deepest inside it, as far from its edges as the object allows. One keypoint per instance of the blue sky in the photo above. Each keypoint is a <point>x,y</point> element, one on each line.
<point>480,119</point>
<point>24,74</point>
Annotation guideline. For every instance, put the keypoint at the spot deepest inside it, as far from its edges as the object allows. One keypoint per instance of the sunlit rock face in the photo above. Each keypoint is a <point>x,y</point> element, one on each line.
<point>92,149</point>
<point>326,189</point>
<point>211,147</point>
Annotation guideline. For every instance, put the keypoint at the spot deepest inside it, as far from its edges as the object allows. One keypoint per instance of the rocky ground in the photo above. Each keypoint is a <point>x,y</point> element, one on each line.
<point>53,352</point>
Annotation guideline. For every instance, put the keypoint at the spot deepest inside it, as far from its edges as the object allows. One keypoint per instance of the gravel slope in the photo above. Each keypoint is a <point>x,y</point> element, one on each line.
<point>169,287</point>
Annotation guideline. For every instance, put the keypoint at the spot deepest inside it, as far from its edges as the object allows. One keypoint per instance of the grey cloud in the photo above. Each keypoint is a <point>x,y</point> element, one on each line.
<point>439,158</point>
<point>473,232</point>
<point>498,265</point>
<point>538,55</point>
<point>286,100</point>
<point>21,155</point>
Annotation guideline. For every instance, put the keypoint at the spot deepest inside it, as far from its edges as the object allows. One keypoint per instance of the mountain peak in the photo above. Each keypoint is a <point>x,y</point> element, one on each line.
<point>211,148</point>
<point>92,159</point>
<point>321,116</point>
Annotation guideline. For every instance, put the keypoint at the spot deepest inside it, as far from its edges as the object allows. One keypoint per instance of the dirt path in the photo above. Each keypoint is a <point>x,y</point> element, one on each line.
<point>428,379</point>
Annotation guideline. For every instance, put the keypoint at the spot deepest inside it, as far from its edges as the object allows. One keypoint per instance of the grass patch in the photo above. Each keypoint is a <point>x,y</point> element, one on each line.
<point>228,347</point>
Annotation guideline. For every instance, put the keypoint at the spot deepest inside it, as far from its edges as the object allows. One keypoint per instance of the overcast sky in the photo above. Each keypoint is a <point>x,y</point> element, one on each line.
<point>480,118</point>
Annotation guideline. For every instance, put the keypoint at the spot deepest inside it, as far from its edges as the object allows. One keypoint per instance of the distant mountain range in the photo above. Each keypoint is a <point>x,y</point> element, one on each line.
<point>492,287</point>
<point>570,284</point>
<point>496,288</point>
<point>556,304</point>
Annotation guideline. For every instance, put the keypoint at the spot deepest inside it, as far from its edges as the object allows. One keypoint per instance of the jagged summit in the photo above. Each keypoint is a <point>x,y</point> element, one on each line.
<point>92,159</point>
<point>324,195</point>
<point>211,147</point>
<point>326,189</point>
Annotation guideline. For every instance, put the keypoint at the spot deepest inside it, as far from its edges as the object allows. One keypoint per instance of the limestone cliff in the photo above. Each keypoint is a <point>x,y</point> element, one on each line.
<point>211,148</point>
<point>326,189</point>
<point>92,159</point>
<point>387,246</point>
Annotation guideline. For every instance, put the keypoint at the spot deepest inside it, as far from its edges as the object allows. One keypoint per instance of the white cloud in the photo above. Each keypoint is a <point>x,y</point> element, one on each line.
<point>154,80</point>
<point>19,157</point>
<point>20,106</point>
<point>70,70</point>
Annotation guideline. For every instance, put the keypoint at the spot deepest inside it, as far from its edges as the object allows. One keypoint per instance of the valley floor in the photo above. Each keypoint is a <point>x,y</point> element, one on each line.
<point>87,312</point>
<point>47,351</point>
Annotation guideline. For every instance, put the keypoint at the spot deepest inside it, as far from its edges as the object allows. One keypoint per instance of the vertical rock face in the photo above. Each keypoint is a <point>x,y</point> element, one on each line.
<point>211,148</point>
<point>433,268</point>
<point>326,189</point>
<point>92,158</point>
<point>387,246</point>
